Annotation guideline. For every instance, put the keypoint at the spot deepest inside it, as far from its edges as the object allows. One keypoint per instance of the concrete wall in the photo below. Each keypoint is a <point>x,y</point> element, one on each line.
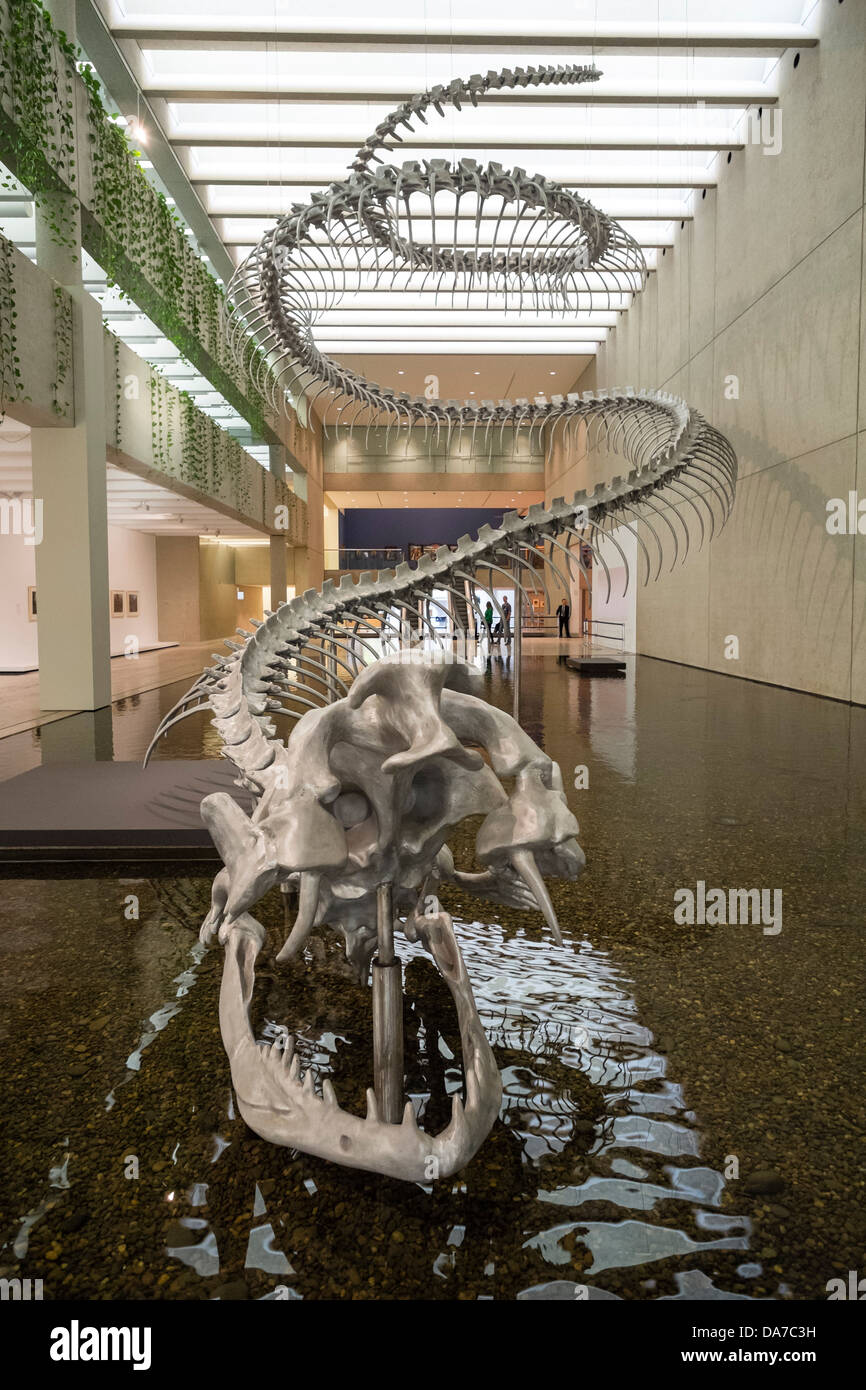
<point>218,591</point>
<point>568,467</point>
<point>44,400</point>
<point>387,452</point>
<point>146,436</point>
<point>252,565</point>
<point>757,317</point>
<point>177,578</point>
<point>309,559</point>
<point>332,527</point>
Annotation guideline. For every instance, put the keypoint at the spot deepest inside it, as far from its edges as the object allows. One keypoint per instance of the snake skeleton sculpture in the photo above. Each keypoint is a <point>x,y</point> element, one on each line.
<point>354,809</point>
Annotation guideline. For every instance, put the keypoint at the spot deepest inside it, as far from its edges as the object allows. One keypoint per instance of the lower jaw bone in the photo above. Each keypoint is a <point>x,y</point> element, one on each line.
<point>279,1107</point>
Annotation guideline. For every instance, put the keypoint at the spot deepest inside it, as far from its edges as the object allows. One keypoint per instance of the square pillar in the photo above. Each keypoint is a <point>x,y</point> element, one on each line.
<point>278,570</point>
<point>69,479</point>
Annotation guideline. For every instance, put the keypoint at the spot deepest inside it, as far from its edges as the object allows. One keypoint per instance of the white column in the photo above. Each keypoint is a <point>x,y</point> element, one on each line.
<point>278,570</point>
<point>277,463</point>
<point>69,478</point>
<point>277,460</point>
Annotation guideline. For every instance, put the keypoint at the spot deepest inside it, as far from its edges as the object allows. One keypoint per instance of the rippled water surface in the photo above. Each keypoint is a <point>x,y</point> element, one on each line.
<point>683,1107</point>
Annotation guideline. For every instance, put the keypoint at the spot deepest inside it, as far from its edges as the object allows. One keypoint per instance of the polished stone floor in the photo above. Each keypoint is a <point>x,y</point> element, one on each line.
<point>683,1111</point>
<point>19,694</point>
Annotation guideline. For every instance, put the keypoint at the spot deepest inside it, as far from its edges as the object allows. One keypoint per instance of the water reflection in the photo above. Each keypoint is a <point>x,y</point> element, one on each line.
<point>603,1176</point>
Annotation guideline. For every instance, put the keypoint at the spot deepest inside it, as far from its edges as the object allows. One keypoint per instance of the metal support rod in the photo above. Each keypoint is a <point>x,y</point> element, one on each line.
<point>516,650</point>
<point>287,893</point>
<point>385,923</point>
<point>387,1013</point>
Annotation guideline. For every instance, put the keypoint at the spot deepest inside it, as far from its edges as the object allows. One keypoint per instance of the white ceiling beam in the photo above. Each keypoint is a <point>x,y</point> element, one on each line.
<point>480,346</point>
<point>721,95</point>
<point>493,332</point>
<point>252,221</point>
<point>632,212</point>
<point>593,325</point>
<point>684,180</point>
<point>364,300</point>
<point>718,38</point>
<point>572,144</point>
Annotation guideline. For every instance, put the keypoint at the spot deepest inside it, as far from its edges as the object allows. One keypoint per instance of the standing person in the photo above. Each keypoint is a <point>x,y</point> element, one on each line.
<point>563,613</point>
<point>488,617</point>
<point>506,620</point>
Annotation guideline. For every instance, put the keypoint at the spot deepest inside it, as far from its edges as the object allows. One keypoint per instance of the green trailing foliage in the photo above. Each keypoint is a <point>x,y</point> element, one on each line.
<point>127,225</point>
<point>61,385</point>
<point>136,236</point>
<point>11,384</point>
<point>189,446</point>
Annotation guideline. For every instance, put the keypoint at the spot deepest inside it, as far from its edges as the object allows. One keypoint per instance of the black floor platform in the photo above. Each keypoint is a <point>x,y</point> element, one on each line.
<point>596,665</point>
<point>91,812</point>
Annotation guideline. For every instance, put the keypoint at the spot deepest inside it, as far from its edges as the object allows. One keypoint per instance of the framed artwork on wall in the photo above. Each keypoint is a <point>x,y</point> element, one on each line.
<point>118,607</point>
<point>31,603</point>
<point>132,603</point>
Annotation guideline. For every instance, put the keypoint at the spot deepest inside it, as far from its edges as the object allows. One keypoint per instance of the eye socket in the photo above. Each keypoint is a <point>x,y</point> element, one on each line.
<point>350,808</point>
<point>427,792</point>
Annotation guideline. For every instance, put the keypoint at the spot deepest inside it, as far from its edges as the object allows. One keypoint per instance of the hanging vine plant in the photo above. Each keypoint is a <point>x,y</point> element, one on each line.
<point>138,239</point>
<point>37,83</point>
<point>157,442</point>
<point>193,462</point>
<point>132,230</point>
<point>60,401</point>
<point>11,382</point>
<point>117,393</point>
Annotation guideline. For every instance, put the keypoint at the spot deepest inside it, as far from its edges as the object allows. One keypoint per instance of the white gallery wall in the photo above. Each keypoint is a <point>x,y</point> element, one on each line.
<point>614,603</point>
<point>757,317</point>
<point>17,632</point>
<point>131,567</point>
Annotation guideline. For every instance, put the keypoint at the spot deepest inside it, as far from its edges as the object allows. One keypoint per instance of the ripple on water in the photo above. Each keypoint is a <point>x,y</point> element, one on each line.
<point>570,1010</point>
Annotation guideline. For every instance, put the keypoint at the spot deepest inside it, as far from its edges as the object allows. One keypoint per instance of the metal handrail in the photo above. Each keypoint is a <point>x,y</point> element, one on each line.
<point>363,557</point>
<point>589,623</point>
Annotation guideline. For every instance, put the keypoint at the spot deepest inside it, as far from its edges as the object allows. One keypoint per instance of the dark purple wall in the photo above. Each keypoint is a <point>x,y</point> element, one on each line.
<point>373,529</point>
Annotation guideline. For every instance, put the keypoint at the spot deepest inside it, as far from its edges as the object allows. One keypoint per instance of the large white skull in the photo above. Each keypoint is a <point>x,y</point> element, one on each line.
<point>372,788</point>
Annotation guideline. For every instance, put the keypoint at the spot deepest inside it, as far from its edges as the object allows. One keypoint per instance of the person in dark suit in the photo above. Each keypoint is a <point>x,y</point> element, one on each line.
<point>563,613</point>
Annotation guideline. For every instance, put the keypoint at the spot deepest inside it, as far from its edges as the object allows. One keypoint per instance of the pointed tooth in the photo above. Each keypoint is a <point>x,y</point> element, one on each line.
<point>329,1095</point>
<point>309,1082</point>
<point>372,1105</point>
<point>295,1069</point>
<point>288,1051</point>
<point>308,901</point>
<point>409,1115</point>
<point>524,862</point>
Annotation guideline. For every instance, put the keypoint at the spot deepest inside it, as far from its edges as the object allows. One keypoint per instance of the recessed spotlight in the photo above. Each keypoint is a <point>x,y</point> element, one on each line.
<point>400,371</point>
<point>476,373</point>
<point>553,373</point>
